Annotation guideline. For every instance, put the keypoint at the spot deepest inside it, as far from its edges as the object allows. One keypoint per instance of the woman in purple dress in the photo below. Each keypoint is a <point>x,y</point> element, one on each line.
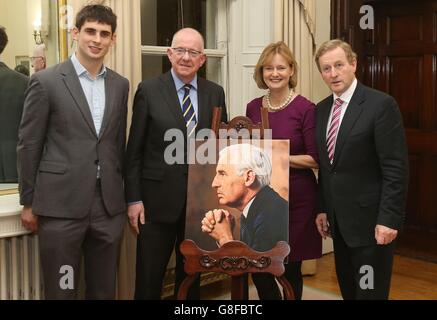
<point>291,116</point>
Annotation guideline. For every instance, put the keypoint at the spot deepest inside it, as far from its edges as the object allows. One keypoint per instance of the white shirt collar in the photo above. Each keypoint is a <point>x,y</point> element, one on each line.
<point>247,207</point>
<point>347,95</point>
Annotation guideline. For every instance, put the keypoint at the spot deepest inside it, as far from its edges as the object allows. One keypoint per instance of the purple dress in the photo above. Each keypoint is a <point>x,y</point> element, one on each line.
<point>297,122</point>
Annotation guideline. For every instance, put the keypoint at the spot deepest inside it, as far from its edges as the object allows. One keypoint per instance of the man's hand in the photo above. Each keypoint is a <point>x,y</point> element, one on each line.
<point>28,219</point>
<point>323,225</point>
<point>384,235</point>
<point>135,212</point>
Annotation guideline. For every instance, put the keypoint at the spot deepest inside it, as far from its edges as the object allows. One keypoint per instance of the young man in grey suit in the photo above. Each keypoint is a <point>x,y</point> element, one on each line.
<point>70,155</point>
<point>363,175</point>
<point>156,189</point>
<point>12,87</point>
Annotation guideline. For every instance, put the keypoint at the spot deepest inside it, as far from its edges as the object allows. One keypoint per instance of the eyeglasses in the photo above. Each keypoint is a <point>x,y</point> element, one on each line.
<point>33,58</point>
<point>191,52</point>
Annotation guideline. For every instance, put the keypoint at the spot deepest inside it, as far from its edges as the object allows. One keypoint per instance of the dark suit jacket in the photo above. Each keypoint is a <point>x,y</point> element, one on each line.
<point>163,187</point>
<point>12,87</point>
<point>367,182</point>
<point>266,222</point>
<point>59,150</point>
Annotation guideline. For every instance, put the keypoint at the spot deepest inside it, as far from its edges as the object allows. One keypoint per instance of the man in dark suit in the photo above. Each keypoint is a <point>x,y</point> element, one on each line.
<point>242,181</point>
<point>156,187</point>
<point>363,175</point>
<point>13,85</point>
<point>70,154</point>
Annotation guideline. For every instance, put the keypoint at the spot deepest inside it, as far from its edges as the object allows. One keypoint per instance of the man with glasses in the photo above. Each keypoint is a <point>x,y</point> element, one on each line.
<point>38,60</point>
<point>156,190</point>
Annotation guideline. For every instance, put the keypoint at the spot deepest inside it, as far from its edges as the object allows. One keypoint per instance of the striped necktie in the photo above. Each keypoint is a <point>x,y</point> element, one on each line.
<point>333,129</point>
<point>188,111</point>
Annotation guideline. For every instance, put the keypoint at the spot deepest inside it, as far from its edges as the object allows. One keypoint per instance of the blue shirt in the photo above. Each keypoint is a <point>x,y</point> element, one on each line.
<point>94,90</point>
<point>181,91</point>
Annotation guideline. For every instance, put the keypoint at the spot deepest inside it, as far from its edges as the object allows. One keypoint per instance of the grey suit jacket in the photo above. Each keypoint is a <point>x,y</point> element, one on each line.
<point>59,150</point>
<point>12,87</point>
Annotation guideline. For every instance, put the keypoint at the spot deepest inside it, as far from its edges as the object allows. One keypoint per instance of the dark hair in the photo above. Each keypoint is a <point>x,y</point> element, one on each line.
<point>3,39</point>
<point>96,12</point>
<point>22,69</point>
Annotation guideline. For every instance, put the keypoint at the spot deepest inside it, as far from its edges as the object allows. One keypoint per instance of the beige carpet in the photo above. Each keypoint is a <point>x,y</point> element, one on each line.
<point>308,294</point>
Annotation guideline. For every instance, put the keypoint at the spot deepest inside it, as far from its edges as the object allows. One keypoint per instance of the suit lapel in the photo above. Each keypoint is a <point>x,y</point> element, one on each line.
<point>324,110</point>
<point>3,66</point>
<point>73,85</point>
<point>109,100</point>
<point>353,112</point>
<point>202,102</point>
<point>260,199</point>
<point>172,100</point>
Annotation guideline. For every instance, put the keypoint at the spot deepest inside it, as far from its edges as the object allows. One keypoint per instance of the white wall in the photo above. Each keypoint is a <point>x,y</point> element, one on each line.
<point>13,16</point>
<point>250,30</point>
<point>323,30</point>
<point>18,17</point>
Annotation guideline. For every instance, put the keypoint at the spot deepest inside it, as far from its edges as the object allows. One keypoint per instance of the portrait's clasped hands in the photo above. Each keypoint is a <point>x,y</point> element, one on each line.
<point>218,223</point>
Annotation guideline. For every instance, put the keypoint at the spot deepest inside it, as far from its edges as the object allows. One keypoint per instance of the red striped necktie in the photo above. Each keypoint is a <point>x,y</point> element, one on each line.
<point>333,129</point>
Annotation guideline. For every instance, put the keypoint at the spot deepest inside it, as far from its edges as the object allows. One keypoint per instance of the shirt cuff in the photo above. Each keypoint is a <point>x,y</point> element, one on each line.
<point>134,202</point>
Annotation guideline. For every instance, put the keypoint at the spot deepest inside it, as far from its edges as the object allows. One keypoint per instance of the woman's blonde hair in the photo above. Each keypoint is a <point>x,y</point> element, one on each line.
<point>267,55</point>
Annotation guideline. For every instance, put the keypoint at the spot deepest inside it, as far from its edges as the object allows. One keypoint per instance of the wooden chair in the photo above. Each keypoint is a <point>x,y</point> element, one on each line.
<point>239,123</point>
<point>235,258</point>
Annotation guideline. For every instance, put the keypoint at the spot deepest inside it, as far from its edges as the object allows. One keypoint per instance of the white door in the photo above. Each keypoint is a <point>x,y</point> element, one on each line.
<point>250,30</point>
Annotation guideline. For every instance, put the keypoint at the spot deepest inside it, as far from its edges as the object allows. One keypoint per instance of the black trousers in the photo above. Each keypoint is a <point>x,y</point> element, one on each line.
<point>155,244</point>
<point>363,272</point>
